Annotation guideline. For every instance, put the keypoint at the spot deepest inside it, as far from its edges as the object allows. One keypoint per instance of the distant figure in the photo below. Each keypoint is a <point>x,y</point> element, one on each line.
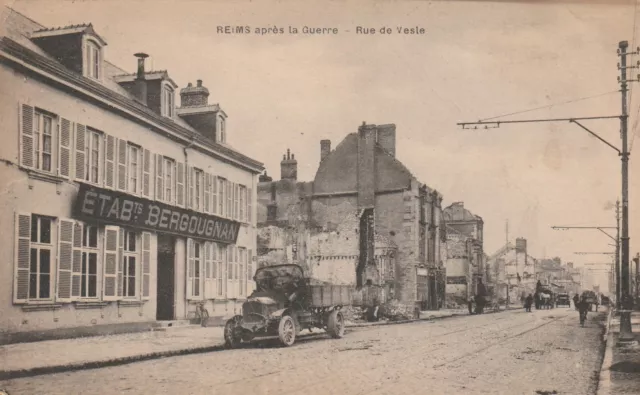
<point>528,301</point>
<point>470,304</point>
<point>576,299</point>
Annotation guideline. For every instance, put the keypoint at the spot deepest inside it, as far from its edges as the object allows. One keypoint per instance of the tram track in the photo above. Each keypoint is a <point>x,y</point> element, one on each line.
<point>415,358</point>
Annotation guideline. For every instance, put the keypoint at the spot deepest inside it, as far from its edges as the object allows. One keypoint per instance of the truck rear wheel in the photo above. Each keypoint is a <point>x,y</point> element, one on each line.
<point>287,331</point>
<point>335,324</point>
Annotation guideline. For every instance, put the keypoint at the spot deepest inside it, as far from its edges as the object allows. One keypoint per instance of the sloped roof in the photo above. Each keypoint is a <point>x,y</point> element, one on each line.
<point>85,28</point>
<point>15,40</point>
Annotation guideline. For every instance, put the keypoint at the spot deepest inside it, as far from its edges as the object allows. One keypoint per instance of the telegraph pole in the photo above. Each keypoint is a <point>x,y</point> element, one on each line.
<point>626,334</point>
<point>617,261</point>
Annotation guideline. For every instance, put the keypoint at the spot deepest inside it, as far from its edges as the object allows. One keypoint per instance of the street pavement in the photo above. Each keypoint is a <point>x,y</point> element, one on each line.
<point>513,352</point>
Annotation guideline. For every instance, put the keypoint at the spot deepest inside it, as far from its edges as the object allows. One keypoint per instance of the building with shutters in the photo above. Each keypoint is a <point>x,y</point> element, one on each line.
<point>120,207</point>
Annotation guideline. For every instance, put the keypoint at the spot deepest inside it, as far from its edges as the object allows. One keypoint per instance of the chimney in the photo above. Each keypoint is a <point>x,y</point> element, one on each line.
<point>288,167</point>
<point>264,177</point>
<point>140,83</point>
<point>387,138</point>
<point>194,96</point>
<point>366,166</point>
<point>325,149</point>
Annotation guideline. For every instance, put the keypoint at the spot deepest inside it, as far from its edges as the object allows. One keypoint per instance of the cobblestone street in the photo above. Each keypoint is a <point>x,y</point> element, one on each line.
<point>506,353</point>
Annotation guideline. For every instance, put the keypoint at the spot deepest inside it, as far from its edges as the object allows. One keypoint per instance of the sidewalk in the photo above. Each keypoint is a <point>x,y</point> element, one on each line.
<point>55,356</point>
<point>620,372</point>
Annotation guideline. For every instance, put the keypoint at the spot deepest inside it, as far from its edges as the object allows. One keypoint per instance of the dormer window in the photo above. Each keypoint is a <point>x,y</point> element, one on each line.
<point>168,105</point>
<point>92,59</point>
<point>222,130</point>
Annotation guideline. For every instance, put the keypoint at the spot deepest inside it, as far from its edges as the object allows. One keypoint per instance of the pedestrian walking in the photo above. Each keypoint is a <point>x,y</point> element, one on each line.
<point>528,301</point>
<point>576,299</point>
<point>470,304</point>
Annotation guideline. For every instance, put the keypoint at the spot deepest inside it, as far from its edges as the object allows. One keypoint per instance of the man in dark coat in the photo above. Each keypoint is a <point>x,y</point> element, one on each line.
<point>528,301</point>
<point>576,299</point>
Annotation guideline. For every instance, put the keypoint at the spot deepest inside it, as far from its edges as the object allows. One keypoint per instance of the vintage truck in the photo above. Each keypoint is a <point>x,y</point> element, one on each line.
<point>286,302</point>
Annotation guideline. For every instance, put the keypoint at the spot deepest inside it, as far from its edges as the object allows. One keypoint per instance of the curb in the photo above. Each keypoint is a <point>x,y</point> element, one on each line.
<point>604,379</point>
<point>23,373</point>
<point>39,371</point>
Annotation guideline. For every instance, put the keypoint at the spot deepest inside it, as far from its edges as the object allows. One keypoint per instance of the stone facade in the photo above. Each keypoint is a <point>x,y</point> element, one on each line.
<point>399,219</point>
<point>465,261</point>
<point>513,269</point>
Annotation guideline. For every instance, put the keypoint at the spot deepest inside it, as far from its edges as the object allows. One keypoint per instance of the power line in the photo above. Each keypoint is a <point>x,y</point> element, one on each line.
<point>551,105</point>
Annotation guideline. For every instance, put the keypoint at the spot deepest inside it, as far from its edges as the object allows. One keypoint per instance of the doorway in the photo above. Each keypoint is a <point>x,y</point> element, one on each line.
<point>165,307</point>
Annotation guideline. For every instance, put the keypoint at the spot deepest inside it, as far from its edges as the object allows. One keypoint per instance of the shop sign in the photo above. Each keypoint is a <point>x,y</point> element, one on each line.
<point>122,209</point>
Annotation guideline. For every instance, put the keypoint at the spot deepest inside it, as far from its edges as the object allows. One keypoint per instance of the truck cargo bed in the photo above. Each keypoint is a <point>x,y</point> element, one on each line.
<point>331,295</point>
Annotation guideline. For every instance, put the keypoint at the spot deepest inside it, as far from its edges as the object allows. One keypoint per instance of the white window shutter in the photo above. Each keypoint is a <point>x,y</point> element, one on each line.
<point>64,148</point>
<point>250,206</point>
<point>122,164</point>
<point>214,194</point>
<point>159,177</point>
<point>180,198</point>
<point>146,266</point>
<point>146,174</point>
<point>22,257</point>
<point>110,264</point>
<point>190,186</point>
<point>80,157</point>
<point>26,135</point>
<point>76,267</point>
<point>65,259</point>
<point>110,162</point>
<point>229,191</point>
<point>189,276</point>
<point>207,193</point>
<point>120,276</point>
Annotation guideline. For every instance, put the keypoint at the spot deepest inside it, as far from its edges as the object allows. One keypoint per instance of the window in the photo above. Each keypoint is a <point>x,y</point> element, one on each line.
<point>134,157</point>
<point>43,141</point>
<point>89,277</point>
<point>236,201</point>
<point>167,102</point>
<point>129,267</point>
<point>40,258</point>
<point>243,203</point>
<point>195,265</point>
<point>197,189</point>
<point>242,252</point>
<point>222,252</point>
<point>221,200</point>
<point>222,133</point>
<point>92,60</point>
<point>168,183</point>
<point>92,156</point>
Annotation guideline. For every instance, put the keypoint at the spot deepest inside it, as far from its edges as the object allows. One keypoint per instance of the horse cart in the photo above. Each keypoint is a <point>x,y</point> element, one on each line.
<point>286,302</point>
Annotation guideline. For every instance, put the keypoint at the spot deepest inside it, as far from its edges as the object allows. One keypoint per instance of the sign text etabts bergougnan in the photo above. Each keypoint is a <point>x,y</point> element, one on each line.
<point>122,209</point>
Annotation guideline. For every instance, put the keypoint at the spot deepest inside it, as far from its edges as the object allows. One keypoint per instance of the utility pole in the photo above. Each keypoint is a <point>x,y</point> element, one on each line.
<point>626,303</point>
<point>626,334</point>
<point>617,261</point>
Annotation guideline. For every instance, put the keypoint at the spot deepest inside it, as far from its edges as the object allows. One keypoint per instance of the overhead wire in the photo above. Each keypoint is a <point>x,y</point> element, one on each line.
<point>550,105</point>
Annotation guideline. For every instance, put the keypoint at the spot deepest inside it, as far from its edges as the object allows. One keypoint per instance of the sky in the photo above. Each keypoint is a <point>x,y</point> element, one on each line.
<point>475,60</point>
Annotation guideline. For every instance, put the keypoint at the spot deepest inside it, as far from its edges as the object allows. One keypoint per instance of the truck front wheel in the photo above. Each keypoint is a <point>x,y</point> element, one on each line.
<point>231,337</point>
<point>335,324</point>
<point>287,331</point>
